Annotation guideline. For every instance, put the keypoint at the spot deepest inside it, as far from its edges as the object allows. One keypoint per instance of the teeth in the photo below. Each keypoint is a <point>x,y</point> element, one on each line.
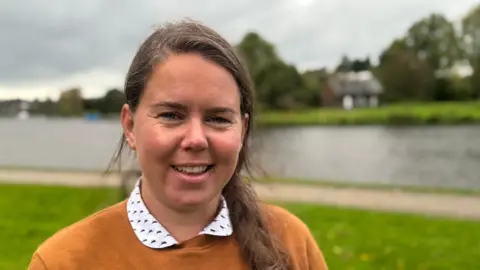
<point>189,169</point>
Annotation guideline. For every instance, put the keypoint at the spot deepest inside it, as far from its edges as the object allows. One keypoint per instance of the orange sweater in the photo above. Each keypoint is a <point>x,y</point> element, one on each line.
<point>106,240</point>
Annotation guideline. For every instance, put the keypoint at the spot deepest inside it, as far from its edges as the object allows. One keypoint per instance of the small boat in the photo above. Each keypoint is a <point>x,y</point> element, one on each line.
<point>23,115</point>
<point>92,116</point>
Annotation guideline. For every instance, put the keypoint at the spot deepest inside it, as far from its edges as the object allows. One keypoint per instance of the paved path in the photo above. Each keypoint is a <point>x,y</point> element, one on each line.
<point>461,206</point>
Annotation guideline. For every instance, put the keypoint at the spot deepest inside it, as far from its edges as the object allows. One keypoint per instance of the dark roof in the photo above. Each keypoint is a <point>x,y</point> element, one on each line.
<point>361,83</point>
<point>12,106</point>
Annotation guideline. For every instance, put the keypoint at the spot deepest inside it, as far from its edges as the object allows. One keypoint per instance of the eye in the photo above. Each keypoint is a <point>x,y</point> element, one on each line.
<point>170,116</point>
<point>219,120</point>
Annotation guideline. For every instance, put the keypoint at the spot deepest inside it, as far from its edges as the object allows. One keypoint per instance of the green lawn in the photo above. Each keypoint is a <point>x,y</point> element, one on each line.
<point>29,214</point>
<point>395,114</point>
<point>361,240</point>
<point>350,239</point>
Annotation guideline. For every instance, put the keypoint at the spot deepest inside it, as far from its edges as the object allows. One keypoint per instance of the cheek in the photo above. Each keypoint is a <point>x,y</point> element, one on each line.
<point>226,147</point>
<point>154,143</point>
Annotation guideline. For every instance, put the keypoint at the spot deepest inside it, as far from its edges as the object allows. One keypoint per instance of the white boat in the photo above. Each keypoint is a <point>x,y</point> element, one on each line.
<point>23,115</point>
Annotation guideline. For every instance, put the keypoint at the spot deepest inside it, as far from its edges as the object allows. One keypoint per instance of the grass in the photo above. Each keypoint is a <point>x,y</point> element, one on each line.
<point>30,214</point>
<point>350,239</point>
<point>366,240</point>
<point>437,113</point>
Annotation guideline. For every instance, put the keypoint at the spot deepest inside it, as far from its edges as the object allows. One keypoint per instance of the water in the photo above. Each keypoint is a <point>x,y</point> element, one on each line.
<point>426,156</point>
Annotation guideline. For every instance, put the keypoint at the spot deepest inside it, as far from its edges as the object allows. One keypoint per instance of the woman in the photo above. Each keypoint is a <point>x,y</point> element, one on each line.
<point>188,117</point>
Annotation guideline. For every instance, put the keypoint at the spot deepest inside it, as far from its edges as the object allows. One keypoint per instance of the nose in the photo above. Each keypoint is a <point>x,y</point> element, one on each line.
<point>195,138</point>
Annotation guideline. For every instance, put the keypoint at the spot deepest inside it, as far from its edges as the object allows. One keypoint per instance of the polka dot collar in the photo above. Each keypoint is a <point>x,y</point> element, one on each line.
<point>152,234</point>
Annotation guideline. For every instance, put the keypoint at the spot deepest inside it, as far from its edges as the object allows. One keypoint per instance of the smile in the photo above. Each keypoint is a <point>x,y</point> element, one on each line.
<point>198,169</point>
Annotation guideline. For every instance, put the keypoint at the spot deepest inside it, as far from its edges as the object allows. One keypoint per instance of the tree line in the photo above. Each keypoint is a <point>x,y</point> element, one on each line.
<point>72,103</point>
<point>417,66</point>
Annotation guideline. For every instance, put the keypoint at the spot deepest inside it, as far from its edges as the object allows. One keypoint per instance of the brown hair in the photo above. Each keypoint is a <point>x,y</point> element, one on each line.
<point>260,248</point>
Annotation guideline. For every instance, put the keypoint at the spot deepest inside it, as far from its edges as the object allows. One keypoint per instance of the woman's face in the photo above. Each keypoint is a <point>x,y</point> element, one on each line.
<point>187,130</point>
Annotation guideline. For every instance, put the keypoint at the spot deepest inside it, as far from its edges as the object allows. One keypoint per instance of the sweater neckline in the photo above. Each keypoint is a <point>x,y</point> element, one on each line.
<point>151,233</point>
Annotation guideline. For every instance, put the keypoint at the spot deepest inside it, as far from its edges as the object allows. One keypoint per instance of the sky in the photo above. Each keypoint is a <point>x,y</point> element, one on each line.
<point>47,46</point>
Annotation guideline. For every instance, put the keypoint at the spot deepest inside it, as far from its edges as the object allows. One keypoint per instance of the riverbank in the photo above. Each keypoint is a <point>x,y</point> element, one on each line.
<point>439,113</point>
<point>349,238</point>
<point>388,200</point>
<point>381,187</point>
<point>95,177</point>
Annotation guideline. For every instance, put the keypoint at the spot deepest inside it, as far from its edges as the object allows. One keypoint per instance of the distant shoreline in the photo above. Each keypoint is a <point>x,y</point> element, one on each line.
<point>402,114</point>
<point>408,114</point>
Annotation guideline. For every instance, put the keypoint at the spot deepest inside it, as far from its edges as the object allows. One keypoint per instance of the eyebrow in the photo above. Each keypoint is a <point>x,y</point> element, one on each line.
<point>182,107</point>
<point>216,110</point>
<point>170,105</point>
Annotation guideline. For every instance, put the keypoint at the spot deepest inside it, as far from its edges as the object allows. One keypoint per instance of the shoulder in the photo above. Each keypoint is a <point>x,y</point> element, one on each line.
<point>285,222</point>
<point>296,237</point>
<point>77,239</point>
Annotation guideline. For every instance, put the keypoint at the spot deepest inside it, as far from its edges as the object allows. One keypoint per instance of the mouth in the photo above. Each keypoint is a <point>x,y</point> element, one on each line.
<point>193,169</point>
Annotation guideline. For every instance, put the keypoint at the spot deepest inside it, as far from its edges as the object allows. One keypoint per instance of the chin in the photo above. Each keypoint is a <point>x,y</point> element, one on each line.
<point>192,198</point>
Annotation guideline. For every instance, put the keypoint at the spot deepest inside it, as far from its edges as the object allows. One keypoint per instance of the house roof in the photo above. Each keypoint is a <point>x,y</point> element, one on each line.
<point>355,83</point>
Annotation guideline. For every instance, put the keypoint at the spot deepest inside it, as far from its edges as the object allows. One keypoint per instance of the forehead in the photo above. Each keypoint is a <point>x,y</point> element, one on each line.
<point>190,77</point>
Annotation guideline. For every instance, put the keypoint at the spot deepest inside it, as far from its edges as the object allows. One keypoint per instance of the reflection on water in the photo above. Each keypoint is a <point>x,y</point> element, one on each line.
<point>433,156</point>
<point>437,156</point>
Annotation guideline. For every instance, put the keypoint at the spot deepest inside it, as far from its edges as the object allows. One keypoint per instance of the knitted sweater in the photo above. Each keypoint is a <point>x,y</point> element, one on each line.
<point>105,240</point>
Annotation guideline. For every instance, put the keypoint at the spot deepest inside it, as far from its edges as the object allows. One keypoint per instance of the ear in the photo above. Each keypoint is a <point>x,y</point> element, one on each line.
<point>126,118</point>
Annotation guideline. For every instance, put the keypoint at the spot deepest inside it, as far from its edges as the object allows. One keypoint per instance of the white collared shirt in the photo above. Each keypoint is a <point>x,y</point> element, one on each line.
<point>152,234</point>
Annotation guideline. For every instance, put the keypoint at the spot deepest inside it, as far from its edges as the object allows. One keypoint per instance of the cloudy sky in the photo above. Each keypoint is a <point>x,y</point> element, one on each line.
<point>50,45</point>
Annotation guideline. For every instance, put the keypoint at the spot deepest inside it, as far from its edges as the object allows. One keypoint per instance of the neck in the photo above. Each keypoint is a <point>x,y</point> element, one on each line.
<point>181,223</point>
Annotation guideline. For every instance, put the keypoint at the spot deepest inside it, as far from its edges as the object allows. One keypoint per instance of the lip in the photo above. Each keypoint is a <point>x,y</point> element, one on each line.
<point>192,164</point>
<point>193,179</point>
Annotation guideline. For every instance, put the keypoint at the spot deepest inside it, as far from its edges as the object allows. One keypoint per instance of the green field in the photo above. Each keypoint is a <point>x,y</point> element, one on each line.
<point>350,239</point>
<point>443,113</point>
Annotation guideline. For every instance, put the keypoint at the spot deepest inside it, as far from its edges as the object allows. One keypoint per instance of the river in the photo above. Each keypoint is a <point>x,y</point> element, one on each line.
<point>446,156</point>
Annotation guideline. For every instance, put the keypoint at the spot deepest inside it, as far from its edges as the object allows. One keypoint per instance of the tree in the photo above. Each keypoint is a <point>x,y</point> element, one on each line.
<point>361,65</point>
<point>471,37</point>
<point>315,81</point>
<point>112,102</point>
<point>435,40</point>
<point>70,102</point>
<point>403,74</point>
<point>471,33</point>
<point>356,65</point>
<point>47,107</point>
<point>91,105</point>
<point>278,85</point>
<point>475,78</point>
<point>345,64</point>
<point>443,89</point>
<point>257,52</point>
<point>462,87</point>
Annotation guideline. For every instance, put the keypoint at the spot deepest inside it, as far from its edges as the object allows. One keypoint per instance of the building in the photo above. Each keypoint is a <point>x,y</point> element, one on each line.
<point>352,90</point>
<point>15,108</point>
